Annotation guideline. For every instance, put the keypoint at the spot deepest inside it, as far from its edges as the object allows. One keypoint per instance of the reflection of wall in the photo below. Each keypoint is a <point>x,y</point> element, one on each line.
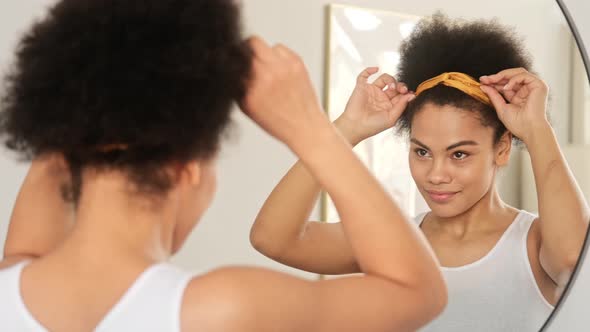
<point>578,157</point>
<point>577,152</point>
<point>580,92</point>
<point>508,180</point>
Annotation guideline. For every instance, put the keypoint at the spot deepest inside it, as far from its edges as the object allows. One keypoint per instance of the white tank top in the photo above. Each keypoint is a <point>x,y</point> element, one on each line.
<point>152,303</point>
<point>497,292</point>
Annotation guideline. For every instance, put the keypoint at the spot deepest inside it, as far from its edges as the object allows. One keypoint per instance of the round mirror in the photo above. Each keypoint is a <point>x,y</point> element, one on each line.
<point>371,35</point>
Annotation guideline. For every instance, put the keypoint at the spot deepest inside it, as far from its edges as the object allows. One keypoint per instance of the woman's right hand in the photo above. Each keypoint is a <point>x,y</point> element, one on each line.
<point>281,98</point>
<point>373,108</point>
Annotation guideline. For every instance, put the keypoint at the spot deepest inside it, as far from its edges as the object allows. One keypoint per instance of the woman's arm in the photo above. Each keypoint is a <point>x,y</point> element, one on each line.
<point>283,233</point>
<point>401,289</point>
<point>260,300</point>
<point>563,211</point>
<point>41,219</point>
<point>282,230</point>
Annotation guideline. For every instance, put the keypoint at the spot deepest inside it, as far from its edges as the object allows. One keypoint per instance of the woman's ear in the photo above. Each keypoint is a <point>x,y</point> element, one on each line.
<point>503,149</point>
<point>192,172</point>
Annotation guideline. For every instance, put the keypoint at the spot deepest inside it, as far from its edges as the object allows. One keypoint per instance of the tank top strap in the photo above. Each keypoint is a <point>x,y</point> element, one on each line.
<point>10,282</point>
<point>525,221</point>
<point>12,306</point>
<point>517,232</point>
<point>10,278</point>
<point>418,219</point>
<point>152,303</point>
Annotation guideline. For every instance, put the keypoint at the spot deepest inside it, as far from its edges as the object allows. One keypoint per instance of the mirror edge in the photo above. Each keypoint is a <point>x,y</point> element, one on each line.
<point>583,53</point>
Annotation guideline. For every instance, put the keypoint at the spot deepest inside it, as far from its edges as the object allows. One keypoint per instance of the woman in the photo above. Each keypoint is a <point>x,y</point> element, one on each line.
<point>124,103</point>
<point>503,267</point>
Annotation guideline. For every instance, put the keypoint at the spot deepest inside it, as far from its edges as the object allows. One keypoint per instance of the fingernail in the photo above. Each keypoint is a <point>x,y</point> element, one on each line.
<point>412,97</point>
<point>483,77</point>
<point>506,87</point>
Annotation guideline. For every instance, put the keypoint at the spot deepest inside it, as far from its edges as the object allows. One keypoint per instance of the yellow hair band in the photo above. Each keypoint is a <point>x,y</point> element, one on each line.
<point>459,81</point>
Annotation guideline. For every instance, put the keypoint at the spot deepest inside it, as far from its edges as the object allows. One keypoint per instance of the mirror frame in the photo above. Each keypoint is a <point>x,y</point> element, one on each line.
<point>583,255</point>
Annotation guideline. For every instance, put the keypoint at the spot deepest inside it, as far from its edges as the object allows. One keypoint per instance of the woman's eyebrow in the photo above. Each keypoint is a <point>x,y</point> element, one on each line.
<point>458,144</point>
<point>417,142</point>
<point>450,147</point>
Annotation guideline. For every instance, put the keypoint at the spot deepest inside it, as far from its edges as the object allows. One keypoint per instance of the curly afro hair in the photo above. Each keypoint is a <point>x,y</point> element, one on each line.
<point>439,44</point>
<point>158,78</point>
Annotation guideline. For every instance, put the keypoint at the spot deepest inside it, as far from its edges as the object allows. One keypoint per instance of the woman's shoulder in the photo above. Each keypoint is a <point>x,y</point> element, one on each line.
<point>233,298</point>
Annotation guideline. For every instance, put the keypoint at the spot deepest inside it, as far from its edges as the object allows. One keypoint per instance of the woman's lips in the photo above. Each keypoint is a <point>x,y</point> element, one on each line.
<point>441,196</point>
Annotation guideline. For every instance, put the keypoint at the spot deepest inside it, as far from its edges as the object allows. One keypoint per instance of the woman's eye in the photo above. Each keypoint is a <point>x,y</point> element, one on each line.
<point>421,152</point>
<point>460,155</point>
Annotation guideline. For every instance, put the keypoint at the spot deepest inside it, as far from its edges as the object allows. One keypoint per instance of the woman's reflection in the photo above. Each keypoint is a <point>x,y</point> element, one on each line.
<point>503,266</point>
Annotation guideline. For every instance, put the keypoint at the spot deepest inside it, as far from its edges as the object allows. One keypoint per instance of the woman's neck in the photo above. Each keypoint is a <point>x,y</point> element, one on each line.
<point>482,216</point>
<point>114,224</point>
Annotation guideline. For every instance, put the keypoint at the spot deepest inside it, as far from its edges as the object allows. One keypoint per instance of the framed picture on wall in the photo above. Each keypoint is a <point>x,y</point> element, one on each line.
<point>359,38</point>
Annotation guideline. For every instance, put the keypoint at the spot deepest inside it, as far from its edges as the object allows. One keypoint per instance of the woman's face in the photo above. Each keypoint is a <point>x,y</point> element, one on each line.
<point>453,159</point>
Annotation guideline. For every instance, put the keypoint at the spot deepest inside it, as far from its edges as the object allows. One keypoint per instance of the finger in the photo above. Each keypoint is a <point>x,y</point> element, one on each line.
<point>504,75</point>
<point>397,99</point>
<point>402,88</point>
<point>496,99</point>
<point>518,81</point>
<point>286,53</point>
<point>259,72</point>
<point>400,97</point>
<point>363,77</point>
<point>259,47</point>
<point>282,51</point>
<point>400,103</point>
<point>508,94</point>
<point>500,86</point>
<point>524,91</point>
<point>384,80</point>
<point>391,91</point>
<point>487,80</point>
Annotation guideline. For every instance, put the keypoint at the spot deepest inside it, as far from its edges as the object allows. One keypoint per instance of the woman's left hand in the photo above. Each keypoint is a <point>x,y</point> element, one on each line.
<point>525,111</point>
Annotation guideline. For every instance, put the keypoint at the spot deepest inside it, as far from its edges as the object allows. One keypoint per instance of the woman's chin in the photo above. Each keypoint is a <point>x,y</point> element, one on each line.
<point>444,211</point>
